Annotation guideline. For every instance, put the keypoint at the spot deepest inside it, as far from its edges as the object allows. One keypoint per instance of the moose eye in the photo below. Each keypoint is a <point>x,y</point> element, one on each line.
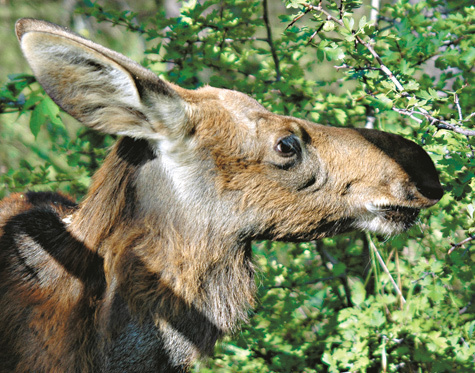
<point>287,146</point>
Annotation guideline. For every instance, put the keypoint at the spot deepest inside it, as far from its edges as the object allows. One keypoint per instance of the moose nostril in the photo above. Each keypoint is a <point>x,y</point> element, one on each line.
<point>431,190</point>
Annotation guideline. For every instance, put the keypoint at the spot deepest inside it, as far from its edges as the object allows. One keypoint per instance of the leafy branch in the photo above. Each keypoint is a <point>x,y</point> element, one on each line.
<point>419,114</point>
<point>437,122</point>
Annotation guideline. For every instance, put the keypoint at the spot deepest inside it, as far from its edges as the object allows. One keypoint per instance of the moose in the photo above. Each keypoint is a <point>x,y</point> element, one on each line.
<point>155,264</point>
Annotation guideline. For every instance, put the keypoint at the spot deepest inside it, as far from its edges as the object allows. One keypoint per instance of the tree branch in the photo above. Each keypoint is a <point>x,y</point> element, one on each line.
<point>270,41</point>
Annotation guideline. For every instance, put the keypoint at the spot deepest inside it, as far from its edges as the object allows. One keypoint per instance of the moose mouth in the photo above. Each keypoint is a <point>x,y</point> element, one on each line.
<point>400,214</point>
<point>387,219</point>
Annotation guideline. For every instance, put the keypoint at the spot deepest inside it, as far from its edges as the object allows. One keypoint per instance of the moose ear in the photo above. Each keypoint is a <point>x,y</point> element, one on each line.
<point>101,88</point>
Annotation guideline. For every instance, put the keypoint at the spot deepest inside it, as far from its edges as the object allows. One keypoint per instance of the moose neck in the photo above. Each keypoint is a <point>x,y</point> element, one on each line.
<point>177,261</point>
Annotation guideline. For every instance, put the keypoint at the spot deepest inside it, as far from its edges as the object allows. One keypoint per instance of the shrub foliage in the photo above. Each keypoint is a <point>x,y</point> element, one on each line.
<point>354,303</point>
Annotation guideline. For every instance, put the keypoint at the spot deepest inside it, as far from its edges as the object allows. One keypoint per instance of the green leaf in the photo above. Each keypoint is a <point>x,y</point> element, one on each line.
<point>362,22</point>
<point>412,101</point>
<point>37,120</point>
<point>339,269</point>
<point>340,116</point>
<point>377,318</point>
<point>349,23</point>
<point>45,111</point>
<point>293,3</point>
<point>358,293</point>
<point>412,86</point>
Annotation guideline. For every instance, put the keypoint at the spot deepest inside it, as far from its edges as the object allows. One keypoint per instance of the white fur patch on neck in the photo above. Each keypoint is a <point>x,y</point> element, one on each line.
<point>183,172</point>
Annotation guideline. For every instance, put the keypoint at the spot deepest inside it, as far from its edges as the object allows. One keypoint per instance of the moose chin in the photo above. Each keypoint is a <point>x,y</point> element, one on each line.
<point>154,265</point>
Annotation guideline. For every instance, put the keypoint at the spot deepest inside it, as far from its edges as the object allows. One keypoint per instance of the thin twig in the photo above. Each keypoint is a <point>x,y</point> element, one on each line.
<point>469,117</point>
<point>457,104</point>
<point>346,66</point>
<point>270,42</point>
<point>424,275</point>
<point>464,309</point>
<point>461,243</point>
<point>439,123</point>
<point>340,9</point>
<point>399,282</point>
<point>297,18</point>
<point>386,270</point>
<point>243,40</point>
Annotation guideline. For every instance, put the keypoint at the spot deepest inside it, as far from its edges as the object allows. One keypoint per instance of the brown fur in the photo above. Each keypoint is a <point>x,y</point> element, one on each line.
<point>155,264</point>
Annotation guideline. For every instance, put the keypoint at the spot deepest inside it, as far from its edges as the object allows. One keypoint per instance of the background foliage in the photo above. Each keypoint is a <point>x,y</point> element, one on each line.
<point>402,66</point>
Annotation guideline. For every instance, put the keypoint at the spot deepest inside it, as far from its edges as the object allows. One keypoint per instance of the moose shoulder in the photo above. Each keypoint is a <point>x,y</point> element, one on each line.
<point>154,265</point>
